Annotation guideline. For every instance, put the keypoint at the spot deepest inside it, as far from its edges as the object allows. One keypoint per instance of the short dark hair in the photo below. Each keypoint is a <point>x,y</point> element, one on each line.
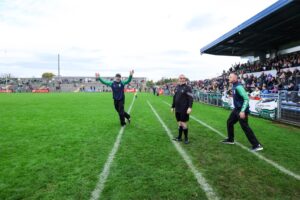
<point>234,73</point>
<point>118,75</point>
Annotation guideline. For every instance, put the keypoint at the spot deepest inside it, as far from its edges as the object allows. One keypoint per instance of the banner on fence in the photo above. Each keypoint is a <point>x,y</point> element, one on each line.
<point>5,91</point>
<point>40,91</point>
<point>265,106</point>
<point>130,90</point>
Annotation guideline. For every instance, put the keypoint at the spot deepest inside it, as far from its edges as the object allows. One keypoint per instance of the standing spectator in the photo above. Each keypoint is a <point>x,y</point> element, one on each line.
<point>240,113</point>
<point>154,90</point>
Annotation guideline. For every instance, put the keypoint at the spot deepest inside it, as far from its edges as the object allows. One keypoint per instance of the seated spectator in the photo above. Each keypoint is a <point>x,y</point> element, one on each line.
<point>292,87</point>
<point>255,93</point>
<point>253,85</point>
<point>275,89</point>
<point>282,78</point>
<point>293,93</point>
<point>264,90</point>
<point>269,83</point>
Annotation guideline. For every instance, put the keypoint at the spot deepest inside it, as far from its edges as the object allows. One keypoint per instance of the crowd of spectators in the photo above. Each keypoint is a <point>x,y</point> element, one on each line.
<point>277,63</point>
<point>264,83</point>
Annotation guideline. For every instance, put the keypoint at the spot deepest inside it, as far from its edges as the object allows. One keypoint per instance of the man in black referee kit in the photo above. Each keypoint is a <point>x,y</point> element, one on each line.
<point>240,113</point>
<point>117,87</point>
<point>182,105</point>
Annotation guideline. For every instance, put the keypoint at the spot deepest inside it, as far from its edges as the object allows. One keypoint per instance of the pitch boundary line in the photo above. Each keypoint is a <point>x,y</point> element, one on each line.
<point>198,175</point>
<point>96,194</point>
<point>271,162</point>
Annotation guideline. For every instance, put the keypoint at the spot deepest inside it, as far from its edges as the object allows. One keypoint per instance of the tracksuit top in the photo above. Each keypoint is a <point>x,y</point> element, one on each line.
<point>240,98</point>
<point>183,98</point>
<point>117,87</point>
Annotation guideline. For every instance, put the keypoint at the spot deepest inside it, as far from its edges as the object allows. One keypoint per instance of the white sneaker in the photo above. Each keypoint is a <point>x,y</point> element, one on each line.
<point>258,148</point>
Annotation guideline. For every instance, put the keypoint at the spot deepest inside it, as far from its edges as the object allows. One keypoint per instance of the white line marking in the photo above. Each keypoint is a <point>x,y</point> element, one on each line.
<point>271,162</point>
<point>96,194</point>
<point>200,179</point>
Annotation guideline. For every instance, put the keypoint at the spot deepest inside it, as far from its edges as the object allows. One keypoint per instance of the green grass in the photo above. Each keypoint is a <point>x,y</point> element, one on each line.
<point>53,146</point>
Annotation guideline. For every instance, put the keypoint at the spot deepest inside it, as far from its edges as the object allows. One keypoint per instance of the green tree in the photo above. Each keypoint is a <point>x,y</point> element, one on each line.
<point>164,81</point>
<point>150,83</point>
<point>48,76</point>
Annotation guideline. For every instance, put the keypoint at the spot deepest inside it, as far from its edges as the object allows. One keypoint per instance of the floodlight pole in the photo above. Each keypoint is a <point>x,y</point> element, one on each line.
<point>58,67</point>
<point>6,82</point>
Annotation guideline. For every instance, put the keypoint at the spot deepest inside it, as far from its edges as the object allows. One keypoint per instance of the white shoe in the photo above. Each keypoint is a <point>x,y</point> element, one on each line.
<point>258,148</point>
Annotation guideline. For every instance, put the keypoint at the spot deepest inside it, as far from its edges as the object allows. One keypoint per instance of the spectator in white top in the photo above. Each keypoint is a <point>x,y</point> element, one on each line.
<point>255,93</point>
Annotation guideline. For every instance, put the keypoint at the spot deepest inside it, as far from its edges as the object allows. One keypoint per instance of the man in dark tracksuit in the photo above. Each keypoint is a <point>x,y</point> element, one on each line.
<point>240,113</point>
<point>117,87</point>
<point>182,104</point>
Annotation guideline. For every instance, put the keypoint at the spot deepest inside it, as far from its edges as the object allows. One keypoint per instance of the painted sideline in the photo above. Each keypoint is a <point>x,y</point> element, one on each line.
<point>210,194</point>
<point>96,194</point>
<point>271,162</point>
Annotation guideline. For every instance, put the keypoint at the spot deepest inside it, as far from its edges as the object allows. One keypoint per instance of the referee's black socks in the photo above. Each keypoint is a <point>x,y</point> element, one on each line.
<point>186,131</point>
<point>180,129</point>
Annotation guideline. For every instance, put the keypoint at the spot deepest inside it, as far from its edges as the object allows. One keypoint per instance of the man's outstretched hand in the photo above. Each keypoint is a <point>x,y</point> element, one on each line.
<point>131,72</point>
<point>97,75</point>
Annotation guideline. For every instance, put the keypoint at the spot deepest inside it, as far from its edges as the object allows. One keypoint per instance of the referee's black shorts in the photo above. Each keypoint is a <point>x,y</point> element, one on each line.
<point>182,117</point>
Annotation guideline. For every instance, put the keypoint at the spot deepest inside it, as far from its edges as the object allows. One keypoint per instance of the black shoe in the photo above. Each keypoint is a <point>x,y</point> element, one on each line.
<point>123,124</point>
<point>186,141</point>
<point>257,148</point>
<point>227,141</point>
<point>177,139</point>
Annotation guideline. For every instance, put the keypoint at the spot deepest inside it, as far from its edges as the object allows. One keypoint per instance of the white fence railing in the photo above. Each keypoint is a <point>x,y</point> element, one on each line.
<point>283,106</point>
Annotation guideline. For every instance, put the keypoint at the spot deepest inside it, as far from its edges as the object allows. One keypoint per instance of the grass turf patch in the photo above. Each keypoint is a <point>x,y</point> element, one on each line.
<point>53,146</point>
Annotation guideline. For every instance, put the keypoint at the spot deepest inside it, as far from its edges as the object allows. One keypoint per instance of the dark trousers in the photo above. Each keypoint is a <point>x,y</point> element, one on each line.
<point>234,118</point>
<point>119,106</point>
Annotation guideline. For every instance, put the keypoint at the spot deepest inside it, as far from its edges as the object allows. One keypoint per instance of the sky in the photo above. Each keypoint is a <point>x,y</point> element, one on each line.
<point>156,38</point>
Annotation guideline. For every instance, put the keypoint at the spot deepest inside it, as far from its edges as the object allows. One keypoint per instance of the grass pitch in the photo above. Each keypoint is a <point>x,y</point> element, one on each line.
<point>54,146</point>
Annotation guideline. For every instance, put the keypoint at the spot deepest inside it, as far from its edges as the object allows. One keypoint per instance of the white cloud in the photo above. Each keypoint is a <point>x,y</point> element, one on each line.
<point>157,38</point>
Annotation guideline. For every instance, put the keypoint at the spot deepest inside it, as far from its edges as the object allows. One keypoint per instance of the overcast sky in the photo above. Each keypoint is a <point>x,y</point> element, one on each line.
<point>156,38</point>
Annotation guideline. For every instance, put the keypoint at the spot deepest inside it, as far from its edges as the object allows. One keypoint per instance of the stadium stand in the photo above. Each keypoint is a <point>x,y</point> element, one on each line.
<point>272,39</point>
<point>273,75</point>
<point>64,84</point>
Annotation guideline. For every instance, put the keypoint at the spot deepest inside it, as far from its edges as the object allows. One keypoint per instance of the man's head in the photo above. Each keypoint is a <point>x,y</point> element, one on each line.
<point>182,79</point>
<point>118,77</point>
<point>291,84</point>
<point>233,78</point>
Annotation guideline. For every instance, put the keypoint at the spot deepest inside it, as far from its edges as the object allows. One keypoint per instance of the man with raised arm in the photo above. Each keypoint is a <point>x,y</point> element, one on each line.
<point>240,114</point>
<point>117,87</point>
